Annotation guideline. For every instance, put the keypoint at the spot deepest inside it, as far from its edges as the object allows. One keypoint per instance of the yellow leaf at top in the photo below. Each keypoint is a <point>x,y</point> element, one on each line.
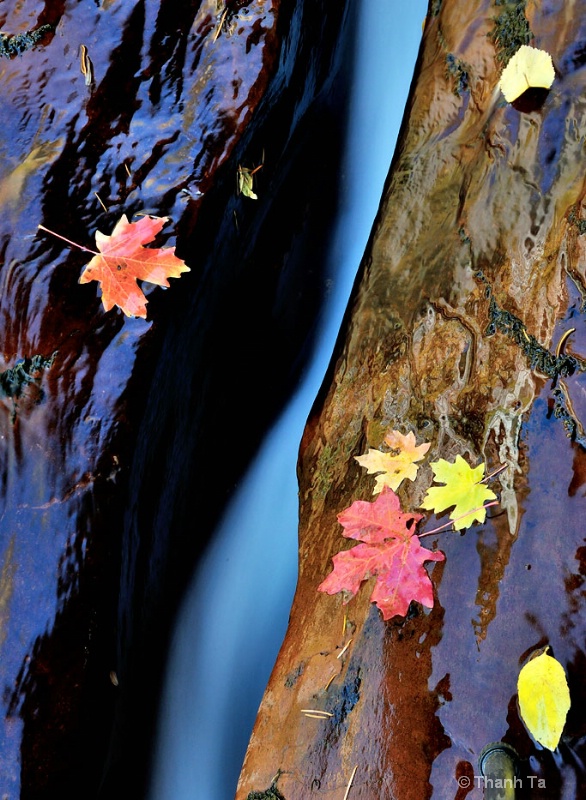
<point>529,68</point>
<point>544,699</point>
<point>462,490</point>
<point>397,464</point>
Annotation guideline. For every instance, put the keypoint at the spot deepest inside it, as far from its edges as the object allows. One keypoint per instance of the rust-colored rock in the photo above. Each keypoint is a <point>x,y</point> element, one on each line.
<point>475,271</point>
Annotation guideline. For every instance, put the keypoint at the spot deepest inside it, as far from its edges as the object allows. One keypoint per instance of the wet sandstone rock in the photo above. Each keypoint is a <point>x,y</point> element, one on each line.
<point>475,271</point>
<point>112,429</point>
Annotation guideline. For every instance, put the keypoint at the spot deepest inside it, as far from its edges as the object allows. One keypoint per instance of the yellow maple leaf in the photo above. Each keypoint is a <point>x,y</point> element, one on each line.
<point>395,465</point>
<point>528,68</point>
<point>544,698</point>
<point>462,490</point>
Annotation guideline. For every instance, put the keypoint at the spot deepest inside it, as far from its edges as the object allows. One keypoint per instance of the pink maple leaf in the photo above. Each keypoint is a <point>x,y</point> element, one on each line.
<point>390,550</point>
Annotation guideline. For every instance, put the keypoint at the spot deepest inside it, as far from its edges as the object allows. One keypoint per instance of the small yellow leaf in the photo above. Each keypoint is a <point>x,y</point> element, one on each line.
<point>462,490</point>
<point>544,699</point>
<point>397,464</point>
<point>529,68</point>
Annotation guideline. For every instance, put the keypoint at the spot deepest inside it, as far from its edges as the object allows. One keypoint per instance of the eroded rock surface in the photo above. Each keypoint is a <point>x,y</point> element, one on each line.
<point>474,273</point>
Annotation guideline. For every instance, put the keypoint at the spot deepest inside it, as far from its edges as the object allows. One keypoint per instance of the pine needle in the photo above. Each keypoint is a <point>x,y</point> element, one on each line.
<point>343,650</point>
<point>350,782</point>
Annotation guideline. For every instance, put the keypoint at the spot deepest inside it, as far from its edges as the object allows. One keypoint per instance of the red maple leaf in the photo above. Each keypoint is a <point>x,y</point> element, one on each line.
<point>123,260</point>
<point>391,550</point>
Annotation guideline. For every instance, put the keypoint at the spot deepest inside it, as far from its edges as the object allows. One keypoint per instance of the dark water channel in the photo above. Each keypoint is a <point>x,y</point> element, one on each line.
<point>124,437</point>
<point>235,615</point>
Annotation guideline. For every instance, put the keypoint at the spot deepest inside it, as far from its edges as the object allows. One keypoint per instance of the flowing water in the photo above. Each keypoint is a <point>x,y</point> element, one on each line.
<point>235,614</point>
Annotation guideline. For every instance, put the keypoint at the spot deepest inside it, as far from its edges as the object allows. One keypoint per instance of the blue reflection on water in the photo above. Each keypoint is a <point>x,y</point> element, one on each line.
<point>235,614</point>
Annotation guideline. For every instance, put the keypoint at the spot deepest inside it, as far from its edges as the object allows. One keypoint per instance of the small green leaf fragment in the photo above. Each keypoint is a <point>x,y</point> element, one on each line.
<point>245,183</point>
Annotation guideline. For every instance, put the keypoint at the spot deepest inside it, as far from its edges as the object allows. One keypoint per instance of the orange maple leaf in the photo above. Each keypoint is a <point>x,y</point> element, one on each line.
<point>397,464</point>
<point>123,260</point>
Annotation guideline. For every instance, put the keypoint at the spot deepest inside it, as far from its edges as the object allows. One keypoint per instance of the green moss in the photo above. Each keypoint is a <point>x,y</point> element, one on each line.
<point>580,224</point>
<point>17,44</point>
<point>327,463</point>
<point>294,675</point>
<point>562,411</point>
<point>435,7</point>
<point>463,234</point>
<point>540,360</point>
<point>459,71</point>
<point>14,381</point>
<point>375,432</point>
<point>272,793</point>
<point>322,477</point>
<point>511,29</point>
<point>538,357</point>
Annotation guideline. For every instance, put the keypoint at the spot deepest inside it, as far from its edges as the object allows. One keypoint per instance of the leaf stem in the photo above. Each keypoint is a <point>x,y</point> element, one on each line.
<point>75,244</point>
<point>493,474</point>
<point>451,522</point>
